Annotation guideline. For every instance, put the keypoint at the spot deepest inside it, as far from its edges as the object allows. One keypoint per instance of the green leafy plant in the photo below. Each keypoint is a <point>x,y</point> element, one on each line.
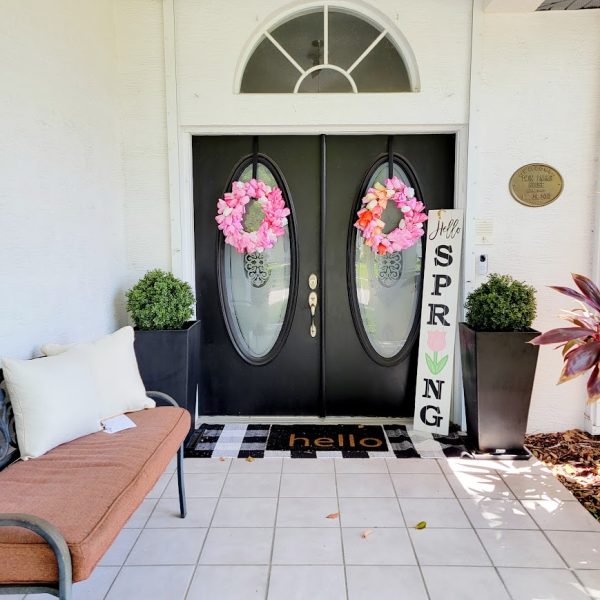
<point>501,304</point>
<point>160,301</point>
<point>581,343</point>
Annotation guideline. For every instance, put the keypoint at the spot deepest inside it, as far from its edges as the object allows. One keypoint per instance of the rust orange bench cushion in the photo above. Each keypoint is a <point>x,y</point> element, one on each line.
<point>88,489</point>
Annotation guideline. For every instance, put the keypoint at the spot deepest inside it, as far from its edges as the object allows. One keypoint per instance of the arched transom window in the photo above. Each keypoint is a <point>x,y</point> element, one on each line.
<point>327,49</point>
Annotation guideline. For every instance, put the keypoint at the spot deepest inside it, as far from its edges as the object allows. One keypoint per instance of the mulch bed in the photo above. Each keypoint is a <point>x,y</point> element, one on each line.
<point>574,457</point>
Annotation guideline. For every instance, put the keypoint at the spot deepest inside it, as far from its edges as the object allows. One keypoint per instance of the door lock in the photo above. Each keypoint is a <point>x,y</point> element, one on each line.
<point>312,304</point>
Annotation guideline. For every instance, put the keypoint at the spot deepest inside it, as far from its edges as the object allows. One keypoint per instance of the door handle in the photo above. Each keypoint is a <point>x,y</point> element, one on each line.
<point>312,304</point>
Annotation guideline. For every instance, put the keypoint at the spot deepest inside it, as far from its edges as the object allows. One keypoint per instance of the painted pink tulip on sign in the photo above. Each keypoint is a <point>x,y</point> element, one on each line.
<point>436,340</point>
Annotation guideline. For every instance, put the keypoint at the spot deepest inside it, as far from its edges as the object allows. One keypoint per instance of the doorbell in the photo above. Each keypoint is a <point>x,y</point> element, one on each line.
<point>482,264</point>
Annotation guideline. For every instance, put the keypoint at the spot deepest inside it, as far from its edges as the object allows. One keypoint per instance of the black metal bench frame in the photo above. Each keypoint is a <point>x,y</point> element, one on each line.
<point>63,589</point>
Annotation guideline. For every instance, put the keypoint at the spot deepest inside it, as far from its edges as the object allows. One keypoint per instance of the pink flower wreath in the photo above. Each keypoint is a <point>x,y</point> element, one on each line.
<point>369,222</point>
<point>232,208</point>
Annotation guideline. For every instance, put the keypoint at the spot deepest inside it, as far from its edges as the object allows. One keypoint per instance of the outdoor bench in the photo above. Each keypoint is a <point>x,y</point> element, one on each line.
<point>60,513</point>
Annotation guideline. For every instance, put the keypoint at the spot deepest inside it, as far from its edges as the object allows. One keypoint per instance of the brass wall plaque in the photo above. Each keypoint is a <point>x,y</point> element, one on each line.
<point>536,184</point>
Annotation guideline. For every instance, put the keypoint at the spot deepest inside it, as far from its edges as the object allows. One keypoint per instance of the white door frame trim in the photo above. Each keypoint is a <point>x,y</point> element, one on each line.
<point>182,205</point>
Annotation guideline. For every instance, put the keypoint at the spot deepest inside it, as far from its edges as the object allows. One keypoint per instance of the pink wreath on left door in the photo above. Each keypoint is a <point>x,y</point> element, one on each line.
<point>232,208</point>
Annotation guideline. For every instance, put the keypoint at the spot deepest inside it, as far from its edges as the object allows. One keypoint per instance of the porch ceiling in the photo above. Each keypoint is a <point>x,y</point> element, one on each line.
<point>568,4</point>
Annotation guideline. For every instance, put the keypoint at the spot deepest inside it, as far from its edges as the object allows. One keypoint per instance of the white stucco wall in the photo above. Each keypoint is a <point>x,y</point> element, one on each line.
<point>533,96</point>
<point>61,224</point>
<point>538,100</point>
<point>139,39</point>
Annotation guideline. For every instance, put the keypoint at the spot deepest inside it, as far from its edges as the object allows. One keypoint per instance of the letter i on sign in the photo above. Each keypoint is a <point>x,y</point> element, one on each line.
<point>439,310</point>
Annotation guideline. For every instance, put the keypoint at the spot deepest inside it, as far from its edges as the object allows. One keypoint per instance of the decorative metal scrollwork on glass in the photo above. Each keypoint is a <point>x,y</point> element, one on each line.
<point>257,269</point>
<point>389,269</point>
<point>8,436</point>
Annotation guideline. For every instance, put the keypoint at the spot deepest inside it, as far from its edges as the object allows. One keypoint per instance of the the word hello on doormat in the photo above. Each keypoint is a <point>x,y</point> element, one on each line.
<point>241,440</point>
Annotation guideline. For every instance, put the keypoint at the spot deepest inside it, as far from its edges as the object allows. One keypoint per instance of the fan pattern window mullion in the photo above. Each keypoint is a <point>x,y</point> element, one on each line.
<point>376,65</point>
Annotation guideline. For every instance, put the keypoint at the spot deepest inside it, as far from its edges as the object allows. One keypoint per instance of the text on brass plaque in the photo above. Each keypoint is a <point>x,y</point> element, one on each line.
<point>536,184</point>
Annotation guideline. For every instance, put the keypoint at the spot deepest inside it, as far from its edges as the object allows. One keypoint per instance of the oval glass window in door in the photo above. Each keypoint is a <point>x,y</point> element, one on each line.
<point>387,288</point>
<point>256,286</point>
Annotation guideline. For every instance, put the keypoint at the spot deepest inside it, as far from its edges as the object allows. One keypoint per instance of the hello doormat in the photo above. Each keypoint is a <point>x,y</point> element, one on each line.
<point>327,438</point>
<point>241,440</point>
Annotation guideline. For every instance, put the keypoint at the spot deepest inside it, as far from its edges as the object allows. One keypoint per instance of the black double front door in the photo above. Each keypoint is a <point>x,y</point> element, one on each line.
<point>319,324</point>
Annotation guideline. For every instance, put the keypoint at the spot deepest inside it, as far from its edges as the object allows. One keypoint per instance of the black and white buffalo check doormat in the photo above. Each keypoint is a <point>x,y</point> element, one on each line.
<point>241,440</point>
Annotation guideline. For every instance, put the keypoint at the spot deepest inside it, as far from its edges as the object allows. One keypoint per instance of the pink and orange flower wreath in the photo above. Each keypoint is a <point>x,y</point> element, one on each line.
<point>369,222</point>
<point>232,208</point>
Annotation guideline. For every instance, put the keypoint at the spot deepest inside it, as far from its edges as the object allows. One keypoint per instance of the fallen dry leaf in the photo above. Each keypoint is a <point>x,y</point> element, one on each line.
<point>250,459</point>
<point>333,516</point>
<point>366,533</point>
<point>421,525</point>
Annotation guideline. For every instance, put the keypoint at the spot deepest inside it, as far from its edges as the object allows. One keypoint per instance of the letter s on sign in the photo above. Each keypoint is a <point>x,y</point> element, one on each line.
<point>443,256</point>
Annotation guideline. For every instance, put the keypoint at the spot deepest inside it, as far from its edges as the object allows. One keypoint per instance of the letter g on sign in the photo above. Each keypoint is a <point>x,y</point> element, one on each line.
<point>433,420</point>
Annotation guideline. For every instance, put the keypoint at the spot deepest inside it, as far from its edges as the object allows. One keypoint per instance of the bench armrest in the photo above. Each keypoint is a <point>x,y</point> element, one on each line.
<point>162,399</point>
<point>57,544</point>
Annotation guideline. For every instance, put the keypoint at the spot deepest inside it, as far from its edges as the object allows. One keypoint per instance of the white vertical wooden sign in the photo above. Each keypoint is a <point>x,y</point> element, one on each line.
<point>441,284</point>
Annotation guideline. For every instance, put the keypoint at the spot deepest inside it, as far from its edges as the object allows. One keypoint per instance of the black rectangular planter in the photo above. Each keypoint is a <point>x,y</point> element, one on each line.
<point>498,371</point>
<point>169,362</point>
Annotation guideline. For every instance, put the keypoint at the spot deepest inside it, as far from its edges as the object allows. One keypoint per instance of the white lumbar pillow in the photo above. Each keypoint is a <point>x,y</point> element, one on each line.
<point>115,369</point>
<point>54,400</point>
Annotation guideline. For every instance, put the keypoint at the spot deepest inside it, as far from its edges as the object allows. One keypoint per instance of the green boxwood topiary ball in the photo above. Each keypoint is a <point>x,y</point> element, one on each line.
<point>501,304</point>
<point>160,301</point>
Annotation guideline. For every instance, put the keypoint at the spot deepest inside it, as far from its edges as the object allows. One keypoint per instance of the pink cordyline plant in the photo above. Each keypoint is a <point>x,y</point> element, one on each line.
<point>580,344</point>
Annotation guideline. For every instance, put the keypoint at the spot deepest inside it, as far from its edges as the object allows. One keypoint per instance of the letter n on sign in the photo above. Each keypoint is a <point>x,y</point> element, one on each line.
<point>439,310</point>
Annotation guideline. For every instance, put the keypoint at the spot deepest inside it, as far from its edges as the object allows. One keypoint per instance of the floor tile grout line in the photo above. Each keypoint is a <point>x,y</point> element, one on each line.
<point>531,516</point>
<point>535,528</point>
<point>161,497</point>
<point>135,541</point>
<point>412,545</point>
<point>156,501</point>
<point>208,528</point>
<point>339,519</point>
<point>560,554</point>
<point>479,537</point>
<point>399,564</point>
<point>312,526</point>
<point>520,501</point>
<point>270,567</point>
<point>560,503</point>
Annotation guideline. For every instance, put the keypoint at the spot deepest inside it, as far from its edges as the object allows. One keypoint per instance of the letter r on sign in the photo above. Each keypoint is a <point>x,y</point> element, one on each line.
<point>439,312</point>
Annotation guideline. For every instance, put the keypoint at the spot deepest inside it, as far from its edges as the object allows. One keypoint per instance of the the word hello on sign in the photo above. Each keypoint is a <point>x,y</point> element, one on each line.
<point>438,321</point>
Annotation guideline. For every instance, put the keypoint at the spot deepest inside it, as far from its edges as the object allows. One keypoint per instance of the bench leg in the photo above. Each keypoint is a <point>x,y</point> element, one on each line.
<point>65,587</point>
<point>181,483</point>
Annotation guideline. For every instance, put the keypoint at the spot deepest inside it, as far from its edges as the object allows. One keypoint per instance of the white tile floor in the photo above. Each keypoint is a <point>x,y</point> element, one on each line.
<point>495,530</point>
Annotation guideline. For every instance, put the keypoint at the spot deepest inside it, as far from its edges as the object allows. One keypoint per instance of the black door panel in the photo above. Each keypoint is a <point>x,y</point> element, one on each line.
<point>355,384</point>
<point>331,373</point>
<point>289,384</point>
